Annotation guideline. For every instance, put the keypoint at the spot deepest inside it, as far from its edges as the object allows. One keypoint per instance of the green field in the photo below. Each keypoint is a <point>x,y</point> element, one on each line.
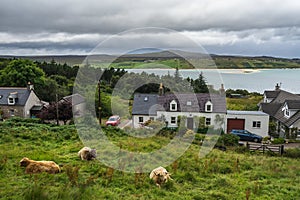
<point>220,175</point>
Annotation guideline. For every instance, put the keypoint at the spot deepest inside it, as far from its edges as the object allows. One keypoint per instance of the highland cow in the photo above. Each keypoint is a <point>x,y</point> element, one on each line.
<point>86,153</point>
<point>160,175</point>
<point>33,167</point>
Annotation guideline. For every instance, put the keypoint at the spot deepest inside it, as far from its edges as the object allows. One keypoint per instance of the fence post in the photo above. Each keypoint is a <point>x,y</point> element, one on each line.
<point>263,146</point>
<point>281,149</point>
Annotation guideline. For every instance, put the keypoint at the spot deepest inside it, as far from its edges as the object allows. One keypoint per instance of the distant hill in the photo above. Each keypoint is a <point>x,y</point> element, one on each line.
<point>147,55</point>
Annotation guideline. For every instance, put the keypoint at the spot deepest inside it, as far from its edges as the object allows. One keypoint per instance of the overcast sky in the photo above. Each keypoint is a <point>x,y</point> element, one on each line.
<point>235,27</point>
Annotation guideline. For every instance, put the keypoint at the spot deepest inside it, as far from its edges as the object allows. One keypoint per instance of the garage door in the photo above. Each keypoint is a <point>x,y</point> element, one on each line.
<point>235,124</point>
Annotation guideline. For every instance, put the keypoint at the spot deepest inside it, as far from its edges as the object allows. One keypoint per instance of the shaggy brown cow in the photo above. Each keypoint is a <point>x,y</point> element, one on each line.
<point>160,175</point>
<point>86,153</point>
<point>33,166</point>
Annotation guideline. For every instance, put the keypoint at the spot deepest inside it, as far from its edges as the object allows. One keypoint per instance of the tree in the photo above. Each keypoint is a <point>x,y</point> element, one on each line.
<point>199,84</point>
<point>19,72</point>
<point>64,112</point>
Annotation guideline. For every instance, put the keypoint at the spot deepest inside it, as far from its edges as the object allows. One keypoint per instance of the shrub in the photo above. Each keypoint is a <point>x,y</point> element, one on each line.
<point>228,140</point>
<point>292,153</point>
<point>278,141</point>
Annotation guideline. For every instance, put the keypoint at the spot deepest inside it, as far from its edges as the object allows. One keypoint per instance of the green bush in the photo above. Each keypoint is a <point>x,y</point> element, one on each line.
<point>228,140</point>
<point>292,153</point>
<point>278,141</point>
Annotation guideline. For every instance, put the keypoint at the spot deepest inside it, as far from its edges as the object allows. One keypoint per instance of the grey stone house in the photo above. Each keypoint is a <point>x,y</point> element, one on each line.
<point>19,101</point>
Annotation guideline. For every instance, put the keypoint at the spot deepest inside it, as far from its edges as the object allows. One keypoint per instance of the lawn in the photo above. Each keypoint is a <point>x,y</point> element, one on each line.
<point>220,175</point>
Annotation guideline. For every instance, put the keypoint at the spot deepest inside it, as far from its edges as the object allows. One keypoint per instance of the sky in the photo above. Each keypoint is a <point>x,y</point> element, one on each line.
<point>227,27</point>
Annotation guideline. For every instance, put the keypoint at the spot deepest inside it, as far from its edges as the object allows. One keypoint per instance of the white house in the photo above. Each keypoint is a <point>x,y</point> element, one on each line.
<point>170,106</point>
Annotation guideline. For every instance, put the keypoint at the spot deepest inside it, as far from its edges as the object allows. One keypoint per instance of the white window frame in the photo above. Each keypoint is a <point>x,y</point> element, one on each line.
<point>256,124</point>
<point>173,102</point>
<point>210,105</point>
<point>207,121</point>
<point>173,120</point>
<point>11,101</point>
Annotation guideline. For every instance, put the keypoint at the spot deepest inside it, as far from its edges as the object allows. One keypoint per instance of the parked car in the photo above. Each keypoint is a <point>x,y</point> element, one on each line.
<point>114,120</point>
<point>245,135</point>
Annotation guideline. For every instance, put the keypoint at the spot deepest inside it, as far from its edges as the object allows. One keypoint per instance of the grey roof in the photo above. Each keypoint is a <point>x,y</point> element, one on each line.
<point>293,104</point>
<point>144,104</point>
<point>270,108</point>
<point>198,102</point>
<point>283,96</point>
<point>271,93</point>
<point>242,112</point>
<point>286,121</point>
<point>75,99</point>
<point>22,95</point>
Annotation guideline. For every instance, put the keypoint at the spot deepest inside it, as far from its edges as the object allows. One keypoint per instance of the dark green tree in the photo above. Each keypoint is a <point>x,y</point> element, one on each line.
<point>19,72</point>
<point>199,84</point>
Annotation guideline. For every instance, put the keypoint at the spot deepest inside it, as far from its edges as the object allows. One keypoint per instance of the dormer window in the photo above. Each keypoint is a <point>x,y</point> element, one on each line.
<point>11,101</point>
<point>12,98</point>
<point>208,106</point>
<point>173,106</point>
<point>188,103</point>
<point>287,113</point>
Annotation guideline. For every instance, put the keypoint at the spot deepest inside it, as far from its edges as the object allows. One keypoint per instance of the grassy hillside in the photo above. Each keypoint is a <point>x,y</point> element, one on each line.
<point>220,175</point>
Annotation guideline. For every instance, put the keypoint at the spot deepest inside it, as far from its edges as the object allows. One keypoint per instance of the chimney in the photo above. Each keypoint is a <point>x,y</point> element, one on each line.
<point>161,89</point>
<point>30,86</point>
<point>222,90</point>
<point>277,87</point>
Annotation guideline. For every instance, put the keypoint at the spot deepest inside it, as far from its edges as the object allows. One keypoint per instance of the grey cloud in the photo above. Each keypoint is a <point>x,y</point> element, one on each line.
<point>114,16</point>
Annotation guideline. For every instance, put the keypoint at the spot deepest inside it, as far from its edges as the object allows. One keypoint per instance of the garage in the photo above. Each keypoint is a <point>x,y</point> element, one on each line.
<point>235,124</point>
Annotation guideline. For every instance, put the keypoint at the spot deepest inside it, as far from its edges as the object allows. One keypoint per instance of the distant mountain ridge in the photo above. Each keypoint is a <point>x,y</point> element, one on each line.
<point>222,61</point>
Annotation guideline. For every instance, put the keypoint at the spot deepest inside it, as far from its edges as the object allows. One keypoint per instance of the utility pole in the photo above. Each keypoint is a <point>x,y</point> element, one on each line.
<point>99,103</point>
<point>57,121</point>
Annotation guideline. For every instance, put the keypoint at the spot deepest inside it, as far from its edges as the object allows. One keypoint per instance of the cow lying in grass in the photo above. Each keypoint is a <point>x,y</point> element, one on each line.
<point>33,167</point>
<point>160,175</point>
<point>86,153</point>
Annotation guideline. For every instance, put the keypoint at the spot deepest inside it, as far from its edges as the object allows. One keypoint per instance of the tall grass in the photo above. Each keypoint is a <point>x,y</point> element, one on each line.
<point>220,175</point>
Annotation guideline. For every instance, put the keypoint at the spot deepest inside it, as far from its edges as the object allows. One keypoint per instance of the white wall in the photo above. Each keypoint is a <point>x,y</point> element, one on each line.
<point>264,119</point>
<point>135,120</point>
<point>168,116</point>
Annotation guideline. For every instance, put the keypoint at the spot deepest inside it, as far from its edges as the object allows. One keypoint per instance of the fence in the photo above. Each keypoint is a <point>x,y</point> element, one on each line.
<point>266,148</point>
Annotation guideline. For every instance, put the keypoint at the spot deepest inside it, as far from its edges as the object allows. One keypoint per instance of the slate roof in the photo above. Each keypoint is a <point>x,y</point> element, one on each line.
<point>283,96</point>
<point>271,93</point>
<point>198,102</point>
<point>22,95</point>
<point>144,104</point>
<point>270,108</point>
<point>293,104</point>
<point>244,112</point>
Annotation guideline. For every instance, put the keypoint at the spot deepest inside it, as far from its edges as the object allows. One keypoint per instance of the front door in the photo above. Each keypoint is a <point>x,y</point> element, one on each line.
<point>190,123</point>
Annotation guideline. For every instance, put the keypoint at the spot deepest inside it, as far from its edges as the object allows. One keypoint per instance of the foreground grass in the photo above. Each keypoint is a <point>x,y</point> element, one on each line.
<point>220,175</point>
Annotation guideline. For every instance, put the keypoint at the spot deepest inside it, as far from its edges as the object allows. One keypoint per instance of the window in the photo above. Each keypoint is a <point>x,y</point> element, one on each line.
<point>12,112</point>
<point>188,103</point>
<point>173,120</point>
<point>173,106</point>
<point>11,101</point>
<point>207,121</point>
<point>287,112</point>
<point>208,106</point>
<point>152,118</point>
<point>141,119</point>
<point>256,124</point>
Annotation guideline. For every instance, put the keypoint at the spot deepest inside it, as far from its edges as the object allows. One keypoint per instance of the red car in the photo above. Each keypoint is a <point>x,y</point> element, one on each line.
<point>113,121</point>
